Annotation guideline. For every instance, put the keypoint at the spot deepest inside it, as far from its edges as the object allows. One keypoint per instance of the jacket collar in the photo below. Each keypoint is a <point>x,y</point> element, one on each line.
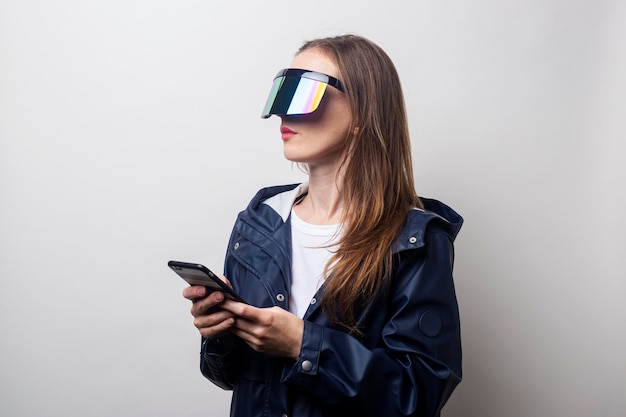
<point>283,202</point>
<point>280,200</point>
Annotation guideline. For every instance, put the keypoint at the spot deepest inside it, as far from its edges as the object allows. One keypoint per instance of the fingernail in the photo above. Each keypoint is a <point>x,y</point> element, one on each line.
<point>218,296</point>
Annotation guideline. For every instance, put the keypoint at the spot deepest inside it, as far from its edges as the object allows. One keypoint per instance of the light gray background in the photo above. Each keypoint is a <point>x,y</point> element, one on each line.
<point>130,135</point>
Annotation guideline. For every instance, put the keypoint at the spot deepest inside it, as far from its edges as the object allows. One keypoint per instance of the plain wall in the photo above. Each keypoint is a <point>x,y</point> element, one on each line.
<point>130,135</point>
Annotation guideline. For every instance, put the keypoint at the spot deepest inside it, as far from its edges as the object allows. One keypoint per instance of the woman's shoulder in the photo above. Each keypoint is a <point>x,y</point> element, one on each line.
<point>436,217</point>
<point>441,211</point>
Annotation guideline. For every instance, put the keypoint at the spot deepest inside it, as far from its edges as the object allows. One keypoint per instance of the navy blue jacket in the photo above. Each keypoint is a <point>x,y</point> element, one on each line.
<point>407,362</point>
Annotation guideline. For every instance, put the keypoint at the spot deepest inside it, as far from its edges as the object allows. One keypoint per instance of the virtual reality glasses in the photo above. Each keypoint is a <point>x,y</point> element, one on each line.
<point>297,91</point>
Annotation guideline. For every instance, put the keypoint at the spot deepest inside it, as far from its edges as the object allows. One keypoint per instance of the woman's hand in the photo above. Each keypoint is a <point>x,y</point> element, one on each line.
<point>210,319</point>
<point>273,331</point>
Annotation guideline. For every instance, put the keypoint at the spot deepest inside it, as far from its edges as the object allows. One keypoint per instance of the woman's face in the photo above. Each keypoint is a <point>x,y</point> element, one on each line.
<point>317,138</point>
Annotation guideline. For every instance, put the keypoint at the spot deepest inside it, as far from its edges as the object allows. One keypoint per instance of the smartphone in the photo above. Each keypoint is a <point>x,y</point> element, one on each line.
<point>197,274</point>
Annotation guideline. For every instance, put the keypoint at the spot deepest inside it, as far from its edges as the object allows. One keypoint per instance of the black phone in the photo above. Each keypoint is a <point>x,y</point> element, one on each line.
<point>197,274</point>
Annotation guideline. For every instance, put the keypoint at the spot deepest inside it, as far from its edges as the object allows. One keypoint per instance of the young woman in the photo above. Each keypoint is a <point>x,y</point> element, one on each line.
<point>352,309</point>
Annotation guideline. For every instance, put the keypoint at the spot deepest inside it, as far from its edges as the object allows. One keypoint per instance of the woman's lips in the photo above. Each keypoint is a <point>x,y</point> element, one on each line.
<point>286,133</point>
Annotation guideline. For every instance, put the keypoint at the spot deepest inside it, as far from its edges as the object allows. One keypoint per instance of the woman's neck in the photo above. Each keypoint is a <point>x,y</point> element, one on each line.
<point>323,203</point>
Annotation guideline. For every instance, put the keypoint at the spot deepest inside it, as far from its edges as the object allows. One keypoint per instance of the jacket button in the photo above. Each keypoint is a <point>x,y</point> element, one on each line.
<point>313,301</point>
<point>307,366</point>
<point>412,239</point>
<point>236,245</point>
<point>280,297</point>
<point>284,415</point>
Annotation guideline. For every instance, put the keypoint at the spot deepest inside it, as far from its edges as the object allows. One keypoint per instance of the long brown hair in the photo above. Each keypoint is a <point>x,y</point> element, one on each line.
<point>377,186</point>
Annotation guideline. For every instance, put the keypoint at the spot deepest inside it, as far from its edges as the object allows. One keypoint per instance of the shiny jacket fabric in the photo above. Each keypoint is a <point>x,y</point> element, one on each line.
<point>407,362</point>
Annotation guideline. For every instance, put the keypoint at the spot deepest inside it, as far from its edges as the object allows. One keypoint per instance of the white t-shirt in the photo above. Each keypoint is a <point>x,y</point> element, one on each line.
<point>310,253</point>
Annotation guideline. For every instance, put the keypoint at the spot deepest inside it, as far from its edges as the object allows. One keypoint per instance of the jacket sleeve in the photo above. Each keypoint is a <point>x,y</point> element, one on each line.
<point>216,361</point>
<point>416,363</point>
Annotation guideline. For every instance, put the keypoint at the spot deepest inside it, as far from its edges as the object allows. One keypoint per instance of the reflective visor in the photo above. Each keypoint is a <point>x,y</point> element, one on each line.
<point>297,91</point>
